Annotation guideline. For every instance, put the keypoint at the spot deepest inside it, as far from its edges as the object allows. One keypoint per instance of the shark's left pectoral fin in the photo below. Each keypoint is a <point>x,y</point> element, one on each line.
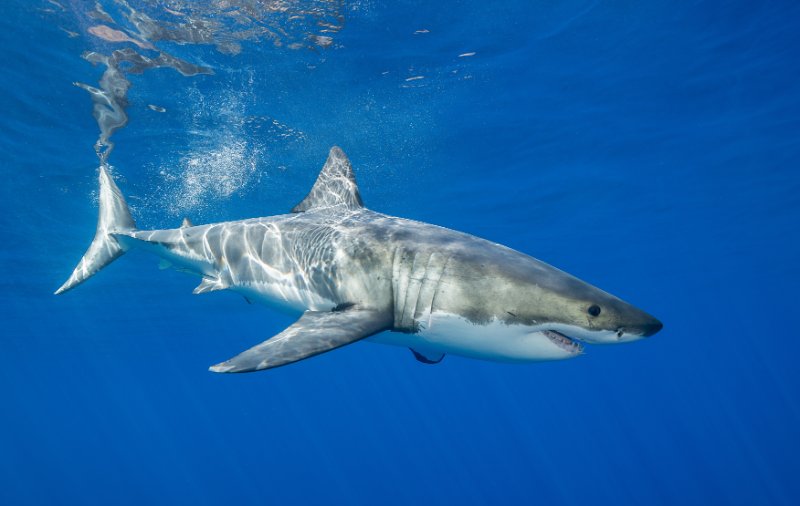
<point>314,333</point>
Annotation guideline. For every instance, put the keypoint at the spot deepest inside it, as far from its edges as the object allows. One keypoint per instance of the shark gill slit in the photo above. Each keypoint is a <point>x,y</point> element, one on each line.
<point>429,289</point>
<point>416,279</point>
<point>413,281</point>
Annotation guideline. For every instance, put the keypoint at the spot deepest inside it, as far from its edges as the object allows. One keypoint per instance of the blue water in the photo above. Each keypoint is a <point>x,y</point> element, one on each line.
<point>650,148</point>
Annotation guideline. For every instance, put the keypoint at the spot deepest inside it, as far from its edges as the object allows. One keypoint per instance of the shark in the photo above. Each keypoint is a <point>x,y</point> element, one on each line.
<point>351,274</point>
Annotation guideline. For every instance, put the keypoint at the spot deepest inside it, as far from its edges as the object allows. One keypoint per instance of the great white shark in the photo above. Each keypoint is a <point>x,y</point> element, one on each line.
<point>352,273</point>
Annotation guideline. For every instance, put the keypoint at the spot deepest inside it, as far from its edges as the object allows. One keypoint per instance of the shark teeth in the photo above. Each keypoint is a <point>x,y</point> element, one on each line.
<point>563,342</point>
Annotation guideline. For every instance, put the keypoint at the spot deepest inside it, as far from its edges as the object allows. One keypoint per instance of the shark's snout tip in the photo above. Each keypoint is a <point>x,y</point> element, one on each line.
<point>652,328</point>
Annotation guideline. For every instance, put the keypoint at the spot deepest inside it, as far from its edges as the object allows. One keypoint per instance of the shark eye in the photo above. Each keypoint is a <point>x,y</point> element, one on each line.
<point>594,310</point>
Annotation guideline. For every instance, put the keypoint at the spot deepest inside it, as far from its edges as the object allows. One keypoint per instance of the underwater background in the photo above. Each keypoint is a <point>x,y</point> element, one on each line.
<point>649,148</point>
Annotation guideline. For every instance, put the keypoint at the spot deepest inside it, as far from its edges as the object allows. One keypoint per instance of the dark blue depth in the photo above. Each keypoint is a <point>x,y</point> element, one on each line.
<point>650,148</point>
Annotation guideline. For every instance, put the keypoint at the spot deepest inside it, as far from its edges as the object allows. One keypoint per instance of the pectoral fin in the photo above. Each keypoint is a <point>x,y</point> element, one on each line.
<point>427,357</point>
<point>314,333</point>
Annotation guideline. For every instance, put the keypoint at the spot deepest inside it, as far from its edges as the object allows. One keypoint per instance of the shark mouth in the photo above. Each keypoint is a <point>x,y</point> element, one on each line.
<point>562,341</point>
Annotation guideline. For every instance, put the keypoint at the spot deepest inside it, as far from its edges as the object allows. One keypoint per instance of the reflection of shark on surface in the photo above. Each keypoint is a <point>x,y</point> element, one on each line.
<point>355,274</point>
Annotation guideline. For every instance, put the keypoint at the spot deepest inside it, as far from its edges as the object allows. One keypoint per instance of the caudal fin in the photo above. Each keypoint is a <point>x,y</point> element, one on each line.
<point>114,217</point>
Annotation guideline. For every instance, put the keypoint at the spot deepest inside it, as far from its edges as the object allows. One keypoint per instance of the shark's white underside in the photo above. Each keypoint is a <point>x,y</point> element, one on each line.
<point>453,334</point>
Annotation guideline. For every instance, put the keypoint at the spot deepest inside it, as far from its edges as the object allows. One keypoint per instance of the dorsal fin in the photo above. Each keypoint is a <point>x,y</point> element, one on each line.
<point>335,185</point>
<point>186,223</point>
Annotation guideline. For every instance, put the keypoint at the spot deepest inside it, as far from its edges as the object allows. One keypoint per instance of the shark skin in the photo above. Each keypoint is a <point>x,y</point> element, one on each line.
<point>353,274</point>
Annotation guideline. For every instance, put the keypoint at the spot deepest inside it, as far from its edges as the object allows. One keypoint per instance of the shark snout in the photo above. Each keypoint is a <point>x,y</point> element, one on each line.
<point>645,328</point>
<point>651,328</point>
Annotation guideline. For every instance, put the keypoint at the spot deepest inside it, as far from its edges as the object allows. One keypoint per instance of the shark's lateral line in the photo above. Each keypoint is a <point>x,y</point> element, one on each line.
<point>355,274</point>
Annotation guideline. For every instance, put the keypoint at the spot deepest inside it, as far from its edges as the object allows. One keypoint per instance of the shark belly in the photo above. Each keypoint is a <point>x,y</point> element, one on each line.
<point>451,333</point>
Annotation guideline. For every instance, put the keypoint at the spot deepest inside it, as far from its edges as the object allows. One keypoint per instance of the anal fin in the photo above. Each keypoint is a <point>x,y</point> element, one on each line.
<point>314,333</point>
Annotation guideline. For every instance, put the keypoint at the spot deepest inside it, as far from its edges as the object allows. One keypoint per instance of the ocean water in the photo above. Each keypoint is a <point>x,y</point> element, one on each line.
<point>649,148</point>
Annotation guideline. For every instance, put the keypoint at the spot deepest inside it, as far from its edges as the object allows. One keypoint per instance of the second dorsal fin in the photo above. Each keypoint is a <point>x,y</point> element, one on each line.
<point>186,223</point>
<point>335,185</point>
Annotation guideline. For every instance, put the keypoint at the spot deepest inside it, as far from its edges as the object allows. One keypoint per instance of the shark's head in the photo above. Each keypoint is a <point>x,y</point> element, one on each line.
<point>549,300</point>
<point>523,309</point>
<point>597,317</point>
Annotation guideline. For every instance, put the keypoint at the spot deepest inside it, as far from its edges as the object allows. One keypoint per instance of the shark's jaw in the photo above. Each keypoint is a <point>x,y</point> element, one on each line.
<point>564,342</point>
<point>580,334</point>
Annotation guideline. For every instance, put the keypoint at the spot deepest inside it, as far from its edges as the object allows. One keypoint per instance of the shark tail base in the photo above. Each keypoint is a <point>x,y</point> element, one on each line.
<point>114,217</point>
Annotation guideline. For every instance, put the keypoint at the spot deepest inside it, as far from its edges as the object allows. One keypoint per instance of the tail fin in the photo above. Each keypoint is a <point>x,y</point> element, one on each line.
<point>114,217</point>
